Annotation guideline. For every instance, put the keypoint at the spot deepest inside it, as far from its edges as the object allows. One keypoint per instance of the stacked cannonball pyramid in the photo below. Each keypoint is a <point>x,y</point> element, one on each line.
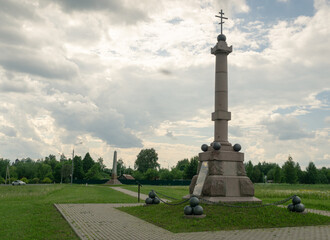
<point>194,208</point>
<point>152,198</point>
<point>296,205</point>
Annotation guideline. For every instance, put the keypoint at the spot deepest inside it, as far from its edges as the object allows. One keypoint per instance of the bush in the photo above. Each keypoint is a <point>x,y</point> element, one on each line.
<point>47,180</point>
<point>24,179</point>
<point>2,180</point>
<point>34,180</point>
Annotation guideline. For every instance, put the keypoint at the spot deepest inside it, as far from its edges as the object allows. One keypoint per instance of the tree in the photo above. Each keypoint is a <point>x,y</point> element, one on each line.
<point>191,169</point>
<point>151,174</point>
<point>290,171</point>
<point>120,167</point>
<point>101,162</point>
<point>182,164</point>
<point>177,174</point>
<point>311,174</point>
<point>278,174</point>
<point>94,173</point>
<point>78,171</point>
<point>146,159</point>
<point>249,169</point>
<point>165,174</point>
<point>87,162</point>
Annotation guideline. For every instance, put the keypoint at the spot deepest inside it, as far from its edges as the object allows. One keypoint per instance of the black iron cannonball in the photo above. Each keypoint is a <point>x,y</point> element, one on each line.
<point>198,210</point>
<point>155,201</point>
<point>188,210</point>
<point>291,207</point>
<point>299,207</point>
<point>152,194</point>
<point>216,145</point>
<point>296,200</point>
<point>237,147</point>
<point>148,200</point>
<point>204,147</point>
<point>194,201</point>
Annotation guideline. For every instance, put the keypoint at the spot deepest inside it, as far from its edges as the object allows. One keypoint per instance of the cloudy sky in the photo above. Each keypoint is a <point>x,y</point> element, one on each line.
<point>127,75</point>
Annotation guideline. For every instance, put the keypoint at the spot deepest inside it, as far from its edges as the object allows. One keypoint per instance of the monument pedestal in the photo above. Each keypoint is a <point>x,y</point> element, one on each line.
<point>221,177</point>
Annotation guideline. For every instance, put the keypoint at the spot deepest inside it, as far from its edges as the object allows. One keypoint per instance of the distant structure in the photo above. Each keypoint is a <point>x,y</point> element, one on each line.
<point>114,180</point>
<point>221,174</point>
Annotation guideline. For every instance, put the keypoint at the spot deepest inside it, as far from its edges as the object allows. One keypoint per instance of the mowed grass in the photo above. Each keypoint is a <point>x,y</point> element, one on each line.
<point>27,212</point>
<point>223,218</point>
<point>313,196</point>
<point>227,218</point>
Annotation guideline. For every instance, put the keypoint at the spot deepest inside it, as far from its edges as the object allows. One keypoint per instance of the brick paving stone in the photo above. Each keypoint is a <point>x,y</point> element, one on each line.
<point>103,221</point>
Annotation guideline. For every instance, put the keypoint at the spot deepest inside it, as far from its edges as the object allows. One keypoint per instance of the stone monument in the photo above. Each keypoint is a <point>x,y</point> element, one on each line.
<point>114,180</point>
<point>221,175</point>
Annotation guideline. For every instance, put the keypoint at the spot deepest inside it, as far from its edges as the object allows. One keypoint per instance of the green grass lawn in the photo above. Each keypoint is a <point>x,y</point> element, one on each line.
<point>223,218</point>
<point>226,218</point>
<point>27,212</point>
<point>313,196</point>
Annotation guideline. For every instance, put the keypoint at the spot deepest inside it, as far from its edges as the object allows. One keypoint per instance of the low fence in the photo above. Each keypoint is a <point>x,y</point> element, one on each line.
<point>143,182</point>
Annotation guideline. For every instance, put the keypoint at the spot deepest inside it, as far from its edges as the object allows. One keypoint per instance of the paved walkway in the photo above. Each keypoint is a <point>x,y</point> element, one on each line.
<point>134,194</point>
<point>104,221</point>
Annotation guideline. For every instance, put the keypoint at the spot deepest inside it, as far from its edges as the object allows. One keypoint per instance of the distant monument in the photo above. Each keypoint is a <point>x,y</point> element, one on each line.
<point>114,180</point>
<point>221,175</point>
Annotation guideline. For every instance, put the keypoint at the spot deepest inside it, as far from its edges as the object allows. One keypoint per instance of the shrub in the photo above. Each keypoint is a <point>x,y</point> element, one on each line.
<point>24,179</point>
<point>34,180</point>
<point>2,180</point>
<point>47,180</point>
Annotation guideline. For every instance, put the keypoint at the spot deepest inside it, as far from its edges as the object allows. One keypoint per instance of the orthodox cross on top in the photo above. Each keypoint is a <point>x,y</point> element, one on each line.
<point>221,17</point>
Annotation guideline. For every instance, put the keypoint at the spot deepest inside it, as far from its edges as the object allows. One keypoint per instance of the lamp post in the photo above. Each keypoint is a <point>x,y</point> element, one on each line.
<point>72,161</point>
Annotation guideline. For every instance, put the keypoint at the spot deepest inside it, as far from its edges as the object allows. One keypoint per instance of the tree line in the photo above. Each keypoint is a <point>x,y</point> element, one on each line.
<point>146,167</point>
<point>290,172</point>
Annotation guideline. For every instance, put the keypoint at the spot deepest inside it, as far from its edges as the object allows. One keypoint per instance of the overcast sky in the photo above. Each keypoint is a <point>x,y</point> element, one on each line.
<point>127,75</point>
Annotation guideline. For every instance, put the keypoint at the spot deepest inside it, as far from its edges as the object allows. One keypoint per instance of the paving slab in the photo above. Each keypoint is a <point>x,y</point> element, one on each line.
<point>104,221</point>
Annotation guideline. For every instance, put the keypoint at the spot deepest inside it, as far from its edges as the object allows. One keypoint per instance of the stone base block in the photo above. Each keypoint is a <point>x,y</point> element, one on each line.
<point>232,200</point>
<point>113,182</point>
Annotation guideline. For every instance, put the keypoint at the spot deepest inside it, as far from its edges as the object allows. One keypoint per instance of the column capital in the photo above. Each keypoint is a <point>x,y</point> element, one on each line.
<point>221,47</point>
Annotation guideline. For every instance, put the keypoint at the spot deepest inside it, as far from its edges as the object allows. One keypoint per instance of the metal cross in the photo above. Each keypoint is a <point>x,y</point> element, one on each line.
<point>221,17</point>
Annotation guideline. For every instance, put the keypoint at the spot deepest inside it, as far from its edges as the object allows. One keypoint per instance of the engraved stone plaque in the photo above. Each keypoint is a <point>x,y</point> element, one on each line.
<point>203,172</point>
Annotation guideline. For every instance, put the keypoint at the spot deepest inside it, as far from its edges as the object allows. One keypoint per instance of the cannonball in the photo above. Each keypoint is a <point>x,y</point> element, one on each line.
<point>194,201</point>
<point>216,145</point>
<point>237,147</point>
<point>152,194</point>
<point>204,147</point>
<point>148,200</point>
<point>291,207</point>
<point>299,207</point>
<point>188,210</point>
<point>155,201</point>
<point>296,200</point>
<point>198,210</point>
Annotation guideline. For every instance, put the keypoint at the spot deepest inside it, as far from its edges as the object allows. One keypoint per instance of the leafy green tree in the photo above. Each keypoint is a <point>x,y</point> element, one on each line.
<point>151,174</point>
<point>138,175</point>
<point>94,173</point>
<point>146,159</point>
<point>177,174</point>
<point>249,169</point>
<point>257,175</point>
<point>165,174</point>
<point>191,169</point>
<point>278,174</point>
<point>100,161</point>
<point>181,165</point>
<point>87,162</point>
<point>311,174</point>
<point>290,171</point>
<point>51,161</point>
<point>78,171</point>
<point>44,170</point>
<point>120,167</point>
